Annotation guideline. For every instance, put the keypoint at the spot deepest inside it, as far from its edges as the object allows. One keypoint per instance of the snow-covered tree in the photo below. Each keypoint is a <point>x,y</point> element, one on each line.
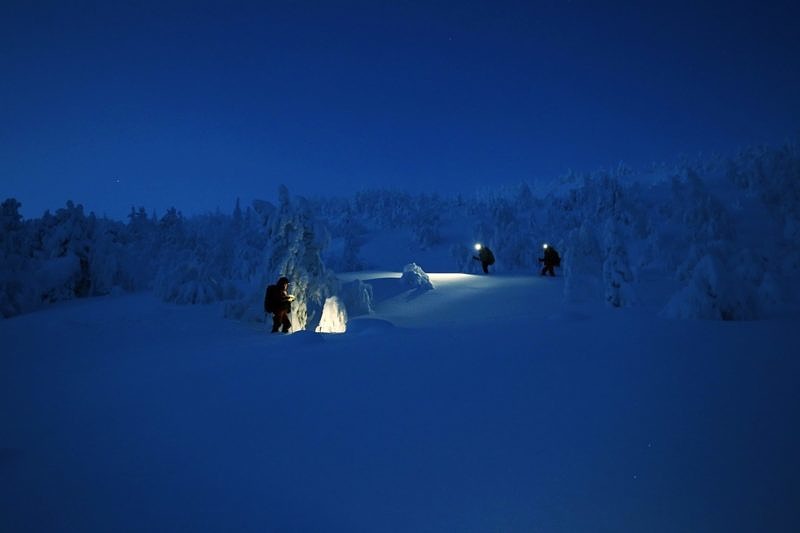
<point>63,248</point>
<point>582,266</point>
<point>426,222</point>
<point>17,293</point>
<point>712,294</point>
<point>357,297</point>
<point>727,227</point>
<point>294,251</point>
<point>294,244</point>
<point>617,275</point>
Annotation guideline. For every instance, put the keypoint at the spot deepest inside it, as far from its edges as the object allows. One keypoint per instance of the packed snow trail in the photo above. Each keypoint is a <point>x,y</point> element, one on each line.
<point>463,299</point>
<point>128,414</point>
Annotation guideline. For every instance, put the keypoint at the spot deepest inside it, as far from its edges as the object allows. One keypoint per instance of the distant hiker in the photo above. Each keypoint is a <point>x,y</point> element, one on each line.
<point>278,301</point>
<point>485,256</point>
<point>551,259</point>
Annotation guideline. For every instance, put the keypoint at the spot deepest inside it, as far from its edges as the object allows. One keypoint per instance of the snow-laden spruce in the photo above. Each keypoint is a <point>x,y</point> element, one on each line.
<point>688,228</point>
<point>295,241</point>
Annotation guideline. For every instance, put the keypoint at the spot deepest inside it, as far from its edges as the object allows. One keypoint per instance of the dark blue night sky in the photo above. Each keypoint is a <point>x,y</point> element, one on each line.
<point>195,104</point>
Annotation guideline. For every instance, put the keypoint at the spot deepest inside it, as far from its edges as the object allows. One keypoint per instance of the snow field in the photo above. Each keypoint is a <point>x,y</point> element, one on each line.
<point>485,404</point>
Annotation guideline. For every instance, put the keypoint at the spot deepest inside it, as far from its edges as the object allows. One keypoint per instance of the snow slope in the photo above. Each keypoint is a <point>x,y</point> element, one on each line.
<point>485,404</point>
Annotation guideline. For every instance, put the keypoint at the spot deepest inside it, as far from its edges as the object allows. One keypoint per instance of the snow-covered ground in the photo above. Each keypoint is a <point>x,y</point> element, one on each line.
<point>507,402</point>
<point>486,404</point>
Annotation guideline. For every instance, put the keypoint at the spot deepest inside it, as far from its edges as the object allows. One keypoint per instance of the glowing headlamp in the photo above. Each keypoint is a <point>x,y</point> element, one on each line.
<point>545,246</point>
<point>477,246</point>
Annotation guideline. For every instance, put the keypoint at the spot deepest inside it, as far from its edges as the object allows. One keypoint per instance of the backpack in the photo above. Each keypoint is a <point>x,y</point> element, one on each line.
<point>551,256</point>
<point>489,257</point>
<point>270,297</point>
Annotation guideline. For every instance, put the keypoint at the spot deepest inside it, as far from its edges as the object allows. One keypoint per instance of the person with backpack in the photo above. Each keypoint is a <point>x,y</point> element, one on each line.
<point>485,256</point>
<point>551,259</point>
<point>278,301</point>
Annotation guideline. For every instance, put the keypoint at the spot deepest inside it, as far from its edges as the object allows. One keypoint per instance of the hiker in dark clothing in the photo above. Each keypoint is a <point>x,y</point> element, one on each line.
<point>278,301</point>
<point>551,259</point>
<point>485,256</point>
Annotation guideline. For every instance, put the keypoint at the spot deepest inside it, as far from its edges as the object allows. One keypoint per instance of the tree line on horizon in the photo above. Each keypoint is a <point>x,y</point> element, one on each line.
<point>725,232</point>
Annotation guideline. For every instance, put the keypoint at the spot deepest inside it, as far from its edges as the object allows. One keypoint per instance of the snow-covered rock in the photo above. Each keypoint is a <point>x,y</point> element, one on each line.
<point>415,278</point>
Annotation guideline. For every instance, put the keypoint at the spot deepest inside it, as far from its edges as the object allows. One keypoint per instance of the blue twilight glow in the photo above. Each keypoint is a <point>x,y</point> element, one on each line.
<point>194,104</point>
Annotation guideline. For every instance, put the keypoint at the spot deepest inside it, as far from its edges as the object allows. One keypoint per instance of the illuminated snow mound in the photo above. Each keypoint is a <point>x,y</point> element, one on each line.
<point>334,317</point>
<point>416,278</point>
